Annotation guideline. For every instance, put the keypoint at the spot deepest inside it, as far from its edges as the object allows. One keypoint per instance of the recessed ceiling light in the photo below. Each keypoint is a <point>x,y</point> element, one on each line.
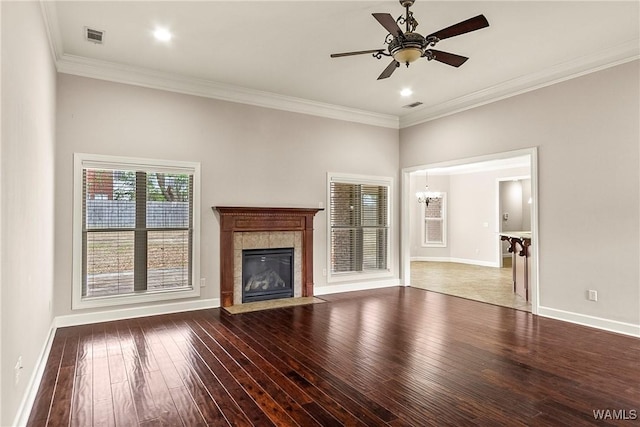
<point>162,34</point>
<point>406,92</point>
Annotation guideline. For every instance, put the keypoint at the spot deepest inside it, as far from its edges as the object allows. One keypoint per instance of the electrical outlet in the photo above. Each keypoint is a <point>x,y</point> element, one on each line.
<point>592,295</point>
<point>203,282</point>
<point>324,271</point>
<point>17,370</point>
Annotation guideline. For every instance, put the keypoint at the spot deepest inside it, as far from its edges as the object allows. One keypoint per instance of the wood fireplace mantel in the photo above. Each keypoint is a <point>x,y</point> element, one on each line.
<point>248,219</point>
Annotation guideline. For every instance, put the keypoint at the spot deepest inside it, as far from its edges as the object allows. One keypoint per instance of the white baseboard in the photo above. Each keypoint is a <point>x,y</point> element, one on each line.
<point>24,410</point>
<point>591,321</point>
<point>458,260</point>
<point>350,287</point>
<point>133,312</point>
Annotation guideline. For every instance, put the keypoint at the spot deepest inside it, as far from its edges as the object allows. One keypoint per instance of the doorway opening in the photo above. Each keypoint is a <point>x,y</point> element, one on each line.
<point>471,263</point>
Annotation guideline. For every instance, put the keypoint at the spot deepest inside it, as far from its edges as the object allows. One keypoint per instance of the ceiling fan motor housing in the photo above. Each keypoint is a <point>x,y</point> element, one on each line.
<point>407,3</point>
<point>409,48</point>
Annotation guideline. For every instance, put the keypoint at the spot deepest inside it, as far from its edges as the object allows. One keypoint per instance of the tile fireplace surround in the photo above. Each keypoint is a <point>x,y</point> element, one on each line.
<point>264,228</point>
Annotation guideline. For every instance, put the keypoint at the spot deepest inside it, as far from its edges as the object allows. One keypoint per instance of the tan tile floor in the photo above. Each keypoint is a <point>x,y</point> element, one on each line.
<point>485,284</point>
<point>269,304</point>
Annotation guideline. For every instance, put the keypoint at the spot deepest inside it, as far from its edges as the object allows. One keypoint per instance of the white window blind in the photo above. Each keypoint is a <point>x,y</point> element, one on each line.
<point>137,230</point>
<point>435,222</point>
<point>359,227</point>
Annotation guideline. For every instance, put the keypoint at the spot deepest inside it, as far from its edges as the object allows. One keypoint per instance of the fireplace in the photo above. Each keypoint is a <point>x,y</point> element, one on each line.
<point>264,228</point>
<point>267,274</point>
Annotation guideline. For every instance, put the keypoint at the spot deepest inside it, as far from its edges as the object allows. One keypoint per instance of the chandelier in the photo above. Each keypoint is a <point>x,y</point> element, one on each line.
<point>427,196</point>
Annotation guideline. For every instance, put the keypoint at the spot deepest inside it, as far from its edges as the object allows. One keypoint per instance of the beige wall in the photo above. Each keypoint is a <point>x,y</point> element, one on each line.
<point>28,129</point>
<point>471,202</point>
<point>587,130</point>
<point>250,156</point>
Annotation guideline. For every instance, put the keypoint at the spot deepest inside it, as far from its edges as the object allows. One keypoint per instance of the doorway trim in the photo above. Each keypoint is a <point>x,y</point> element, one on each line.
<point>406,199</point>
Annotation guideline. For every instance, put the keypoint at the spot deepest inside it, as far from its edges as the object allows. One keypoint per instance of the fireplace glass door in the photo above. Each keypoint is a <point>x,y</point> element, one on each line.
<point>267,274</point>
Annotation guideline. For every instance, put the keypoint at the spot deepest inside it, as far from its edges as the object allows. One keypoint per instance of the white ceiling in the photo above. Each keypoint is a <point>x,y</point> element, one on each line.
<point>276,53</point>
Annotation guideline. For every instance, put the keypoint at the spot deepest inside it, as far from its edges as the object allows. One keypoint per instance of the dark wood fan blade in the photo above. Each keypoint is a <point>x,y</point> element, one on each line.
<point>448,58</point>
<point>388,23</point>
<point>389,70</point>
<point>359,52</point>
<point>463,27</point>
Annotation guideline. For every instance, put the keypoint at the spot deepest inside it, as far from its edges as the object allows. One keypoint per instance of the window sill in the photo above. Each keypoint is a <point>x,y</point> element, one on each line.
<point>434,245</point>
<point>358,276</point>
<point>129,299</point>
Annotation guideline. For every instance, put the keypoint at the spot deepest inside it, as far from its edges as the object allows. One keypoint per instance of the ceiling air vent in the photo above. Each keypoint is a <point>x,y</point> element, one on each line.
<point>412,105</point>
<point>94,36</point>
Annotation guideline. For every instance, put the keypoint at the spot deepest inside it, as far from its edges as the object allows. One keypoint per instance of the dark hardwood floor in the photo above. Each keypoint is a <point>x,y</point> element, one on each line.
<point>397,357</point>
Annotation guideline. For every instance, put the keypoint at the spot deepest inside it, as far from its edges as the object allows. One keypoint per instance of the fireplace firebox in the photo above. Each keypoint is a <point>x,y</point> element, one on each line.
<point>267,274</point>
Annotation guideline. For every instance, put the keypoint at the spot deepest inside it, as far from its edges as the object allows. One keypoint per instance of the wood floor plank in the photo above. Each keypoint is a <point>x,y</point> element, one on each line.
<point>206,405</point>
<point>82,407</point>
<point>356,402</point>
<point>60,413</point>
<point>258,360</point>
<point>85,352</point>
<point>233,385</point>
<point>283,409</point>
<point>104,413</point>
<point>142,395</point>
<point>308,381</point>
<point>42,404</point>
<point>388,357</point>
<point>123,406</point>
<point>228,404</point>
<point>145,356</point>
<point>167,411</point>
<point>101,380</point>
<point>187,408</point>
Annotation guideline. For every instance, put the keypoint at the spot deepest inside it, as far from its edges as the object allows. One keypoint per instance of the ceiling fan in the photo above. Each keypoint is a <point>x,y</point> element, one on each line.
<point>406,47</point>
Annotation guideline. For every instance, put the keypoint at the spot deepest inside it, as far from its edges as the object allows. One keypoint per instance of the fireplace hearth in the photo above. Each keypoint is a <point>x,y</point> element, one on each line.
<point>267,274</point>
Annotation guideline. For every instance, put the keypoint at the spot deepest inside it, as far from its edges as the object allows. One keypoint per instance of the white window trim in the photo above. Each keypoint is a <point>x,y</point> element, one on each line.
<point>82,160</point>
<point>426,244</point>
<point>366,180</point>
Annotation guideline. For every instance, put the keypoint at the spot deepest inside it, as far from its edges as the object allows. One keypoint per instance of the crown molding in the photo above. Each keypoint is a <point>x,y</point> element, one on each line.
<point>103,70</point>
<point>50,17</point>
<point>138,76</point>
<point>568,70</point>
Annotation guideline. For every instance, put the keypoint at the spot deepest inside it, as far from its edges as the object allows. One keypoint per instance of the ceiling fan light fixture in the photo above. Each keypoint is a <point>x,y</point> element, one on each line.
<point>407,55</point>
<point>407,49</point>
<point>407,46</point>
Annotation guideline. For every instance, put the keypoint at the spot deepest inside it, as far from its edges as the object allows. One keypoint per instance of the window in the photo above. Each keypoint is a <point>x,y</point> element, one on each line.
<point>434,229</point>
<point>136,230</point>
<point>359,226</point>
